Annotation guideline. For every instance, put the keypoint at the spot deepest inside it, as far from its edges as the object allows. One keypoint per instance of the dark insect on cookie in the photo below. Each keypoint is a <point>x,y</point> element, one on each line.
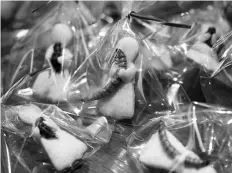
<point>120,59</point>
<point>57,52</point>
<point>110,88</point>
<point>45,131</point>
<point>115,82</point>
<point>172,152</point>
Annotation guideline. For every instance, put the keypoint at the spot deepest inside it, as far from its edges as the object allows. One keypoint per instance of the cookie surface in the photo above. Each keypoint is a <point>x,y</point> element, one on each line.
<point>120,105</point>
<point>61,33</point>
<point>29,113</point>
<point>153,153</point>
<point>65,150</point>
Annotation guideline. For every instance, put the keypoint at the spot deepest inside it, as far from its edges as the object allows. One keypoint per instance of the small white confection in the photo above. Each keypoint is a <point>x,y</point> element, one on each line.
<point>153,153</point>
<point>96,126</point>
<point>56,91</point>
<point>130,47</point>
<point>128,75</point>
<point>121,105</point>
<point>51,86</point>
<point>65,150</point>
<point>29,113</point>
<point>43,83</point>
<point>61,33</point>
<point>203,55</point>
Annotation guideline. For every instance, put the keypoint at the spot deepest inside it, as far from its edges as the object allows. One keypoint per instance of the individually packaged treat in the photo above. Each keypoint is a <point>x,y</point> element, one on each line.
<point>216,85</point>
<point>168,55</point>
<point>50,52</point>
<point>112,81</point>
<point>197,140</point>
<point>180,53</point>
<point>44,135</point>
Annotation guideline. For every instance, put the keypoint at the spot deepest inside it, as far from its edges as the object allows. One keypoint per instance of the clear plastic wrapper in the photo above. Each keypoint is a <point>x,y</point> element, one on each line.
<point>217,84</point>
<point>167,56</point>
<point>197,139</point>
<point>180,53</point>
<point>207,15</point>
<point>43,138</point>
<point>19,15</point>
<point>110,14</point>
<point>115,80</point>
<point>53,49</point>
<point>166,9</point>
<point>21,19</point>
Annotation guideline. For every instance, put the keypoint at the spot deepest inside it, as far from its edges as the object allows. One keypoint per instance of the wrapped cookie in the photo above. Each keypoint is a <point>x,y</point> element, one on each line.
<point>216,85</point>
<point>52,49</point>
<point>179,54</point>
<point>61,141</point>
<point>111,82</point>
<point>195,140</point>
